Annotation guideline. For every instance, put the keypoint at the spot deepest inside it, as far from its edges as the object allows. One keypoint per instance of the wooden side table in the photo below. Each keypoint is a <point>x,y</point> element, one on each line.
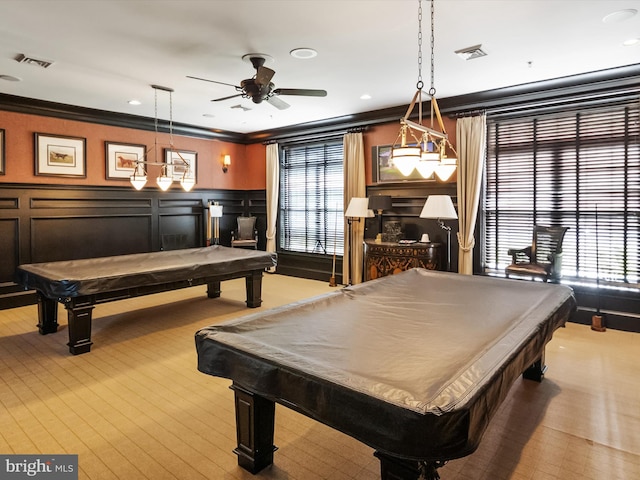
<point>386,258</point>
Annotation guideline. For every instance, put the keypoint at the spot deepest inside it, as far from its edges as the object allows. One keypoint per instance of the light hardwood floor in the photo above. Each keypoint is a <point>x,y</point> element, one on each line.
<point>136,407</point>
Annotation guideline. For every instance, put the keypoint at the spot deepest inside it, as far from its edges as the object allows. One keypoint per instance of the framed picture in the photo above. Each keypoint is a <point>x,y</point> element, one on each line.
<point>384,171</point>
<point>2,161</point>
<point>61,156</point>
<point>177,167</point>
<point>121,159</point>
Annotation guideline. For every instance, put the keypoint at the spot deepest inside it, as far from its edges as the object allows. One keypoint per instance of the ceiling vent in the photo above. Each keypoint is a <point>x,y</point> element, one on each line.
<point>470,53</point>
<point>33,61</point>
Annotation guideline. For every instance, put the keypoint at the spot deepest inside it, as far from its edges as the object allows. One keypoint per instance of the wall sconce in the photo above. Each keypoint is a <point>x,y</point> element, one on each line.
<point>226,161</point>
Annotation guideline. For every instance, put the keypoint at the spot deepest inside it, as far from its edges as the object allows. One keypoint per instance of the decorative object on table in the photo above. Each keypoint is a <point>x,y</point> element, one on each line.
<point>424,238</point>
<point>379,203</point>
<point>358,208</point>
<point>392,232</point>
<point>176,165</point>
<point>215,213</point>
<point>426,152</point>
<point>441,208</point>
<point>61,156</point>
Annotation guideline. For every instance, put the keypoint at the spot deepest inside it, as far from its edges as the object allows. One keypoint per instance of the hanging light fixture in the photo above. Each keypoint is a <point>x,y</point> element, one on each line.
<point>139,177</point>
<point>427,153</point>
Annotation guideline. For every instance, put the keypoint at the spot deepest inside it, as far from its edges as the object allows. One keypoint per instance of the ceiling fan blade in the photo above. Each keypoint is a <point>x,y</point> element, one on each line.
<point>264,75</point>
<point>212,81</point>
<point>226,98</point>
<point>279,104</point>
<point>300,91</point>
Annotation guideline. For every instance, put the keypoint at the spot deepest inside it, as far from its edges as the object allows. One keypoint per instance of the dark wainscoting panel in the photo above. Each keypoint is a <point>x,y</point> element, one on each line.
<point>43,223</point>
<point>8,247</point>
<point>73,238</point>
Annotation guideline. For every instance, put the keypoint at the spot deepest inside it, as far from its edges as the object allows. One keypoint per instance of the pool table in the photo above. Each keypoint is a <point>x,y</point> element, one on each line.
<point>414,365</point>
<point>80,284</point>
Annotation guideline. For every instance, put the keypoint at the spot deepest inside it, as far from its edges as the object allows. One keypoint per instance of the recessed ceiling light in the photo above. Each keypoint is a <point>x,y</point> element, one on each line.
<point>631,41</point>
<point>135,102</point>
<point>208,115</point>
<point>303,53</point>
<point>365,96</point>
<point>619,16</point>
<point>10,78</point>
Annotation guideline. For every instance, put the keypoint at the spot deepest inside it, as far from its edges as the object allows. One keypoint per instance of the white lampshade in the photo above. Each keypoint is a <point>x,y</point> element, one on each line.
<point>428,163</point>
<point>164,182</point>
<point>405,159</point>
<point>187,183</point>
<point>445,168</point>
<point>359,207</point>
<point>215,211</point>
<point>138,181</point>
<point>438,206</point>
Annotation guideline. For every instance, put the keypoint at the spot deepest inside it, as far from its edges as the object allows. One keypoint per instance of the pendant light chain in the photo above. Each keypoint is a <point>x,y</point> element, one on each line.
<point>432,90</point>
<point>171,117</point>
<point>420,83</point>
<point>155,124</point>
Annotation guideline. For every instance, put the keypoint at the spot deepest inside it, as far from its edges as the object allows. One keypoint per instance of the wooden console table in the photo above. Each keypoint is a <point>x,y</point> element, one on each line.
<point>386,258</point>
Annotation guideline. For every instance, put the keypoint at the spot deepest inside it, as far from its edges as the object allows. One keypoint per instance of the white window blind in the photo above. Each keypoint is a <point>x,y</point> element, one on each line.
<point>311,198</point>
<point>560,170</point>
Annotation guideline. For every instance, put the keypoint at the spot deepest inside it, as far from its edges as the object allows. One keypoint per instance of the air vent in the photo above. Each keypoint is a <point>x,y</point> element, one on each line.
<point>22,58</point>
<point>470,53</point>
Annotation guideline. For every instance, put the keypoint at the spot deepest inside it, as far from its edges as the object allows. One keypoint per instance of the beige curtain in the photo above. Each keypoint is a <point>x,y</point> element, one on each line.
<point>354,186</point>
<point>471,140</point>
<point>273,185</point>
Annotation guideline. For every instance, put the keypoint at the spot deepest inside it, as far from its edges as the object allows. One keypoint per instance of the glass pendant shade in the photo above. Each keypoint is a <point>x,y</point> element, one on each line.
<point>445,168</point>
<point>405,159</point>
<point>164,182</point>
<point>187,183</point>
<point>427,164</point>
<point>138,181</point>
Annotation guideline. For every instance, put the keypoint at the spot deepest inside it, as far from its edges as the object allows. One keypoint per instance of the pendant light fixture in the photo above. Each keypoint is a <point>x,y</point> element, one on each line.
<point>139,177</point>
<point>426,151</point>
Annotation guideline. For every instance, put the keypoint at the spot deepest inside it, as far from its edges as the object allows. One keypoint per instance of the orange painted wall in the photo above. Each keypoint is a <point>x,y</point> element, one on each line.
<point>246,171</point>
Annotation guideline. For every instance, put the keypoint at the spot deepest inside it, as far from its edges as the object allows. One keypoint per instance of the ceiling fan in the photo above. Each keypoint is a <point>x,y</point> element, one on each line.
<point>259,88</point>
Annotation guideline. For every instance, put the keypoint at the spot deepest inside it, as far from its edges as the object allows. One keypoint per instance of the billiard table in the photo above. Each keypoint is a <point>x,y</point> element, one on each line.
<point>414,365</point>
<point>80,284</point>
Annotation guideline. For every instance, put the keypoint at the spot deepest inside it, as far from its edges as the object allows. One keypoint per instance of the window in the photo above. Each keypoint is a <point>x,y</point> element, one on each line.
<point>579,169</point>
<point>311,198</point>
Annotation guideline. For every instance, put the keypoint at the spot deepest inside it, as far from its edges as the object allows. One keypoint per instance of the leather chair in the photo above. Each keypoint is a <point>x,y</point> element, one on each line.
<point>246,236</point>
<point>543,258</point>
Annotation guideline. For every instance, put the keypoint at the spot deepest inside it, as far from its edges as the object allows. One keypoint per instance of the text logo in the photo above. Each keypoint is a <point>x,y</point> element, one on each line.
<point>49,467</point>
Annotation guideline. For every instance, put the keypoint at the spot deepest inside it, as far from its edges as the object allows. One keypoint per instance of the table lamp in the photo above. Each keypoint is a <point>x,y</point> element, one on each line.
<point>441,208</point>
<point>358,208</point>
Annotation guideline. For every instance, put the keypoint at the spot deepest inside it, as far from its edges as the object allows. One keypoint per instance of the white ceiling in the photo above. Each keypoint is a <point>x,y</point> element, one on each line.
<point>106,52</point>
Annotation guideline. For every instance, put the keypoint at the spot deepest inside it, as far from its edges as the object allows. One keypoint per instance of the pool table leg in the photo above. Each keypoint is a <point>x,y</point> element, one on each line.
<point>254,289</point>
<point>47,315</point>
<point>255,416</point>
<point>213,289</point>
<point>536,370</point>
<point>394,468</point>
<point>79,317</point>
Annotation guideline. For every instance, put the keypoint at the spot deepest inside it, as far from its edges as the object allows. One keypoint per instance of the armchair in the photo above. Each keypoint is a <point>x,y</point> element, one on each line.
<point>246,235</point>
<point>543,258</point>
